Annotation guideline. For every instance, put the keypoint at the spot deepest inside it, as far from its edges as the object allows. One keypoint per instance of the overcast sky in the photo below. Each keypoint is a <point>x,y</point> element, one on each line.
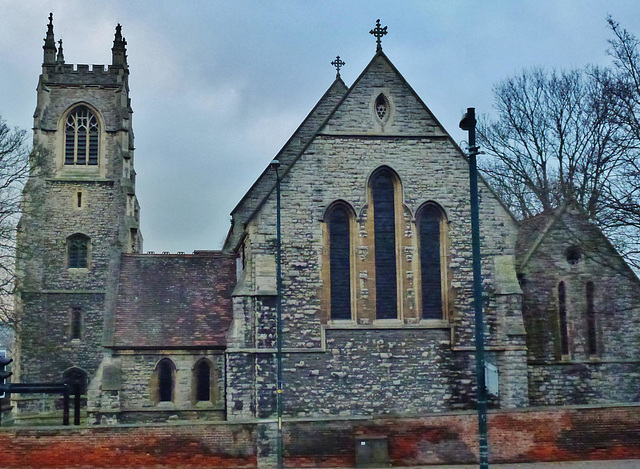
<point>217,87</point>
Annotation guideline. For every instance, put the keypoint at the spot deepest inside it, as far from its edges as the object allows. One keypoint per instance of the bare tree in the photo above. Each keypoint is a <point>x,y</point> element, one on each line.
<point>558,136</point>
<point>623,197</point>
<point>14,171</point>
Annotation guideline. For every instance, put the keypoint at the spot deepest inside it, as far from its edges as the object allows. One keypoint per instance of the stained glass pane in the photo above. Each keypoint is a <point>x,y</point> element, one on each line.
<point>340,252</point>
<point>385,246</point>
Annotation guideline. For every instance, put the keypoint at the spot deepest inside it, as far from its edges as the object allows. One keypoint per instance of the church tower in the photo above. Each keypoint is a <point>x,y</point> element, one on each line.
<point>80,215</point>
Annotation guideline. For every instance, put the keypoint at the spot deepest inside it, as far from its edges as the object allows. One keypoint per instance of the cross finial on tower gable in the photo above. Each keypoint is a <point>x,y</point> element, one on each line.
<point>338,64</point>
<point>378,32</point>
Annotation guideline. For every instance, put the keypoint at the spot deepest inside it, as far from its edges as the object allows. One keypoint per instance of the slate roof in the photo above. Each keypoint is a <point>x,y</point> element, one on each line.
<point>174,300</point>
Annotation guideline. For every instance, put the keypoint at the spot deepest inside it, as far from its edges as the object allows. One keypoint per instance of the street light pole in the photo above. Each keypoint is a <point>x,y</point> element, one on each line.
<point>468,123</point>
<point>275,164</point>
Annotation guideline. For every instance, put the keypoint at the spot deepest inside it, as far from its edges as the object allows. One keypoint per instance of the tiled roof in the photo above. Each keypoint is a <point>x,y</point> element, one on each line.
<point>174,300</point>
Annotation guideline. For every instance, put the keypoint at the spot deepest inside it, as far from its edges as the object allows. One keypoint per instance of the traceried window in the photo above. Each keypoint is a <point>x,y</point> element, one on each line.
<point>382,107</point>
<point>338,222</point>
<point>384,220</point>
<point>81,138</point>
<point>592,345</point>
<point>562,318</point>
<point>430,234</point>
<point>78,251</point>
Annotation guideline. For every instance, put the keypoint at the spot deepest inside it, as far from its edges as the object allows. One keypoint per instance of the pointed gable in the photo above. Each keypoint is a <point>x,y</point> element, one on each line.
<point>406,113</point>
<point>287,156</point>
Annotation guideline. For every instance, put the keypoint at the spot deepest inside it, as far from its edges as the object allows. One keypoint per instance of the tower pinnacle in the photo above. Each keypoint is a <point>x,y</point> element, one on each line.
<point>49,43</point>
<point>60,57</point>
<point>119,49</point>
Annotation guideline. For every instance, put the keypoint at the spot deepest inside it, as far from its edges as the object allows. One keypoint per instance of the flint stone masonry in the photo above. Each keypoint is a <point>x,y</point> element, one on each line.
<point>345,371</point>
<point>612,373</point>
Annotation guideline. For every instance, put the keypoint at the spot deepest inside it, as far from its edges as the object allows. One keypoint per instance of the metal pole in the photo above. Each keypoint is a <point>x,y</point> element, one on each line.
<point>65,410</point>
<point>468,122</point>
<point>280,449</point>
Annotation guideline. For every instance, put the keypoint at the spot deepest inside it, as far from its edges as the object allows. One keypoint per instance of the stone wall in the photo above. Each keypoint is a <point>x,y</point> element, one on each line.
<point>611,374</point>
<point>551,434</point>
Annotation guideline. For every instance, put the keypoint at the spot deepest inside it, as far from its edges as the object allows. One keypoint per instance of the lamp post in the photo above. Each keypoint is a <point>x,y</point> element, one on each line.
<point>468,123</point>
<point>275,164</point>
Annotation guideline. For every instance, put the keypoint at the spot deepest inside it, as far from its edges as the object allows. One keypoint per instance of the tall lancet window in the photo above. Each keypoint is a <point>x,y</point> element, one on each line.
<point>340,262</point>
<point>384,221</point>
<point>430,233</point>
<point>81,138</point>
<point>562,318</point>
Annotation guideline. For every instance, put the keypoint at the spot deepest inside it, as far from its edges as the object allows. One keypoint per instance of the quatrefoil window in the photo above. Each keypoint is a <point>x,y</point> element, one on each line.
<point>382,107</point>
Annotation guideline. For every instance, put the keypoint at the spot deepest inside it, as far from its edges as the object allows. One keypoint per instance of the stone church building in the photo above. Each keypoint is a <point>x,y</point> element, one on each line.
<point>376,269</point>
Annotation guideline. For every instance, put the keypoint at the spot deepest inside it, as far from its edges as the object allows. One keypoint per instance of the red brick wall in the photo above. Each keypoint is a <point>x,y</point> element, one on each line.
<point>554,434</point>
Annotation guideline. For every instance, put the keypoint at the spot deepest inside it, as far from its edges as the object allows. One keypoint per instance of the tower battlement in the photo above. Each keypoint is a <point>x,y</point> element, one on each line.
<point>70,74</point>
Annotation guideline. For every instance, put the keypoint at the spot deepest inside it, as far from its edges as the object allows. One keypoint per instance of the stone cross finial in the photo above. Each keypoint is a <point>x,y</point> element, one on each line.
<point>338,64</point>
<point>378,32</point>
<point>51,19</point>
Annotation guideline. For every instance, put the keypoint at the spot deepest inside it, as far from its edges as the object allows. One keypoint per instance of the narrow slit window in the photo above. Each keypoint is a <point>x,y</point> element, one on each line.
<point>340,263</point>
<point>592,344</point>
<point>562,316</point>
<point>76,323</point>
<point>384,216</point>
<point>79,199</point>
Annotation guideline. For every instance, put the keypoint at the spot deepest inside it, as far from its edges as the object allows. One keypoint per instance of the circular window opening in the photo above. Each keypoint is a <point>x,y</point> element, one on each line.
<point>573,255</point>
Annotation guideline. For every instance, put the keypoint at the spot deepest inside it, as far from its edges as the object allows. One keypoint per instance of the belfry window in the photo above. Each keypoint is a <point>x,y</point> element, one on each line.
<point>78,251</point>
<point>81,138</point>
<point>430,235</point>
<point>340,262</point>
<point>384,221</point>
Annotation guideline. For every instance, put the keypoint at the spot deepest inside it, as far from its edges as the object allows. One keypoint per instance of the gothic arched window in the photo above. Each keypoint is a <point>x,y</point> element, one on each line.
<point>165,369</point>
<point>338,222</point>
<point>384,226</point>
<point>202,377</point>
<point>78,251</point>
<point>430,220</point>
<point>81,138</point>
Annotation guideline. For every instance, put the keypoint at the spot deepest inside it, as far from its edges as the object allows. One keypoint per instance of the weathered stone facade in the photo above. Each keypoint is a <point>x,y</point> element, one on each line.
<point>193,336</point>
<point>566,248</point>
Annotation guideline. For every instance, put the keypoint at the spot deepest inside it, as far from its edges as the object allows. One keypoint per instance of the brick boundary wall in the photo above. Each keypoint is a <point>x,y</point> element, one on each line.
<point>540,434</point>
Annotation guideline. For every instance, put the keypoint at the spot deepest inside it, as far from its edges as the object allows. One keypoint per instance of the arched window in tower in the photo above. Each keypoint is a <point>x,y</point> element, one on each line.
<point>81,138</point>
<point>202,375</point>
<point>165,371</point>
<point>338,222</point>
<point>78,251</point>
<point>384,221</point>
<point>562,318</point>
<point>430,233</point>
